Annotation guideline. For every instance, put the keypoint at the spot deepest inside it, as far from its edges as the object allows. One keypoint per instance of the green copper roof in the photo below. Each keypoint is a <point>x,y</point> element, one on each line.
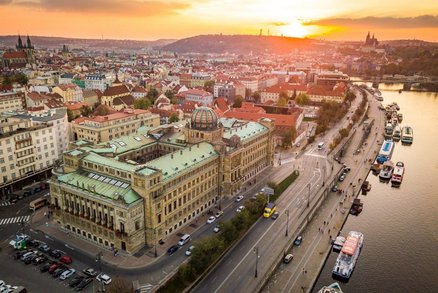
<point>75,153</point>
<point>102,185</point>
<point>181,161</point>
<point>245,132</point>
<point>110,162</point>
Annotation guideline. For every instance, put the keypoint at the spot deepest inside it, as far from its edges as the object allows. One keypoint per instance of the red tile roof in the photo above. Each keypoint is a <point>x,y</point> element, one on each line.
<point>14,55</point>
<point>116,90</point>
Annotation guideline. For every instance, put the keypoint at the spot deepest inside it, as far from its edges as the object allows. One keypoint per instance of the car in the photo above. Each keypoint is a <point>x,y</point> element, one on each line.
<point>218,214</point>
<point>239,209</point>
<point>172,249</point>
<point>66,259</point>
<point>347,169</point>
<point>53,267</point>
<point>5,289</point>
<point>90,272</point>
<point>67,273</point>
<point>104,279</point>
<point>211,219</point>
<point>44,247</point>
<point>288,258</point>
<point>298,240</point>
<point>298,145</point>
<point>33,243</point>
<point>58,272</point>
<point>335,188</point>
<point>275,216</point>
<point>216,229</point>
<point>76,281</point>
<point>44,268</point>
<point>30,259</point>
<point>189,250</point>
<point>2,283</point>
<point>55,253</point>
<point>239,198</point>
<point>26,255</point>
<point>84,283</point>
<point>342,177</point>
<point>39,260</point>
<point>19,254</point>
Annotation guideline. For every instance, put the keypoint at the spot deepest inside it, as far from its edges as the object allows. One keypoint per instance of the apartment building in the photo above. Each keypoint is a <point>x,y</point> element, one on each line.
<point>104,128</point>
<point>11,101</point>
<point>97,82</point>
<point>69,92</point>
<point>27,152</point>
<point>143,187</point>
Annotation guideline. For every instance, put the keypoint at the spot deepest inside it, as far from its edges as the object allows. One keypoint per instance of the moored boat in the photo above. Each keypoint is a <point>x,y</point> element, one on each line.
<point>397,174</point>
<point>396,136</point>
<point>385,152</point>
<point>389,129</point>
<point>386,171</point>
<point>407,135</point>
<point>333,288</point>
<point>348,256</point>
<point>366,186</point>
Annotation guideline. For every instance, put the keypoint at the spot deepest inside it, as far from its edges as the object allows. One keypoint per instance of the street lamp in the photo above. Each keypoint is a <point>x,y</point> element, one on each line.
<point>99,261</point>
<point>287,222</point>
<point>256,251</point>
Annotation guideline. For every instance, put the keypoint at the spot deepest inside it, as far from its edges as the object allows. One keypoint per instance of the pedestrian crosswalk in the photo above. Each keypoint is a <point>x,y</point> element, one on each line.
<point>5,203</point>
<point>13,220</point>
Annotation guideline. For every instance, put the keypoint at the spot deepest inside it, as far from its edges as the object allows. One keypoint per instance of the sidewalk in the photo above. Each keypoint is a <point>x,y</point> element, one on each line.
<point>146,256</point>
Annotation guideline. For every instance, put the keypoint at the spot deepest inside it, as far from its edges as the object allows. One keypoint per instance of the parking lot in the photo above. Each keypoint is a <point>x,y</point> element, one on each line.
<point>41,269</point>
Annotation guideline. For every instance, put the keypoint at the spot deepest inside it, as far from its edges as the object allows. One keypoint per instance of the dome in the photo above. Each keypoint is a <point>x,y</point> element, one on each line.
<point>204,118</point>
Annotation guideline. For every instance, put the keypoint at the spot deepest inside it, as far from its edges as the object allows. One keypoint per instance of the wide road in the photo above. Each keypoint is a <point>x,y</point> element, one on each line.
<point>237,270</point>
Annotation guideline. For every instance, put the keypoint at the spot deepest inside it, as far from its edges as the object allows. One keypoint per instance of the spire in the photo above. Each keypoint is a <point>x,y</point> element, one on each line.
<point>29,43</point>
<point>20,43</point>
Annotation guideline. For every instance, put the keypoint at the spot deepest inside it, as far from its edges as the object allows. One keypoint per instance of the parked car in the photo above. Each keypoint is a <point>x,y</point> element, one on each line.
<point>104,279</point>
<point>275,216</point>
<point>19,254</point>
<point>189,251</point>
<point>239,198</point>
<point>58,272</point>
<point>44,268</point>
<point>172,249</point>
<point>76,281</point>
<point>53,267</point>
<point>342,177</point>
<point>335,188</point>
<point>239,209</point>
<point>33,243</point>
<point>84,283</point>
<point>288,258</point>
<point>211,219</point>
<point>216,229</point>
<point>298,240</point>
<point>44,247</point>
<point>90,272</point>
<point>67,273</point>
<point>55,253</point>
<point>40,260</point>
<point>218,214</point>
<point>30,259</point>
<point>66,259</point>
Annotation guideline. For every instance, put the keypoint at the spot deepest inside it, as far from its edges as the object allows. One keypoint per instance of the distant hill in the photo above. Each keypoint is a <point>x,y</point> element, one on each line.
<point>240,44</point>
<point>57,42</point>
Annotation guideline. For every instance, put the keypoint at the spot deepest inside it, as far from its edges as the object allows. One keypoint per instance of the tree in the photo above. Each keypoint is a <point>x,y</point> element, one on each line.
<point>101,110</point>
<point>143,103</point>
<point>70,115</point>
<point>169,94</point>
<point>238,101</point>
<point>256,96</point>
<point>153,95</point>
<point>119,285</point>
<point>289,137</point>
<point>281,102</point>
<point>283,95</point>
<point>209,86</point>
<point>294,95</point>
<point>85,111</point>
<point>302,99</point>
<point>21,79</point>
<point>173,118</point>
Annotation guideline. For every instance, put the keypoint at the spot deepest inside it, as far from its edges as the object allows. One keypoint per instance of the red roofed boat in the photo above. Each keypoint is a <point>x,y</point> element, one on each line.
<point>349,254</point>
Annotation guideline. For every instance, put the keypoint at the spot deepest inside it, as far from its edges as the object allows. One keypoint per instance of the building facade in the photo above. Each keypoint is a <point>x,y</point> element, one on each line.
<point>97,82</point>
<point>11,101</point>
<point>143,187</point>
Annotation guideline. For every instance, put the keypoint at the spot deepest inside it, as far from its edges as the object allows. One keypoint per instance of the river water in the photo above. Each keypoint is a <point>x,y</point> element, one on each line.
<point>400,225</point>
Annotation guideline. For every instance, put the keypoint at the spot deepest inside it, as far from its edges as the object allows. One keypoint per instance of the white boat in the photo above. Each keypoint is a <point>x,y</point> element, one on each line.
<point>385,152</point>
<point>397,174</point>
<point>338,243</point>
<point>386,171</point>
<point>389,129</point>
<point>333,288</point>
<point>407,135</point>
<point>348,256</point>
<point>397,133</point>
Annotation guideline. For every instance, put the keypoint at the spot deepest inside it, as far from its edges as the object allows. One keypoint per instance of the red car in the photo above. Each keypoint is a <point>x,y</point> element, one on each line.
<point>66,259</point>
<point>54,267</point>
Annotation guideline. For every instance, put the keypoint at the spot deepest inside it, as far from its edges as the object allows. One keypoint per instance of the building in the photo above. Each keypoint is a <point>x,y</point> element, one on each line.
<point>335,94</point>
<point>27,152</point>
<point>97,82</point>
<point>104,128</point>
<point>330,78</point>
<point>273,93</point>
<point>117,96</point>
<point>23,56</point>
<point>201,97</point>
<point>70,93</point>
<point>11,101</point>
<point>143,187</point>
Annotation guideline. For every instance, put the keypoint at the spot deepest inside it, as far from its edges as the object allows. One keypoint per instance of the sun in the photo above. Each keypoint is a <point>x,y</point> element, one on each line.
<point>295,29</point>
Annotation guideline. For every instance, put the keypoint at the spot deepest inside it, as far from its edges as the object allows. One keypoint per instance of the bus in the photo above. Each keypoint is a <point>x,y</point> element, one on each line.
<point>38,203</point>
<point>269,209</point>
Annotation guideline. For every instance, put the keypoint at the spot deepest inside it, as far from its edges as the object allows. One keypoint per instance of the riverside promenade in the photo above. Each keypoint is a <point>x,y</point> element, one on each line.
<point>301,274</point>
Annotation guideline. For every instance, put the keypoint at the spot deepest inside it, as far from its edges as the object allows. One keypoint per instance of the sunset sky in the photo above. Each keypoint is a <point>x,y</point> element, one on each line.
<point>150,20</point>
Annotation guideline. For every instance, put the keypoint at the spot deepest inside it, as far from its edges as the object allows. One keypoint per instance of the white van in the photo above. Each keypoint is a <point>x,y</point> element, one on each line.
<point>186,238</point>
<point>320,145</point>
